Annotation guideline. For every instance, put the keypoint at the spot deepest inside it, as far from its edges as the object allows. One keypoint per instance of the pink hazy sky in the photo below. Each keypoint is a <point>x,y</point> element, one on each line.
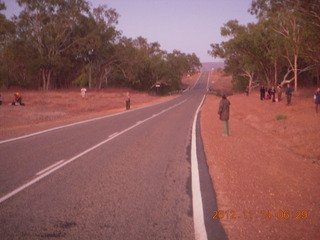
<point>189,26</point>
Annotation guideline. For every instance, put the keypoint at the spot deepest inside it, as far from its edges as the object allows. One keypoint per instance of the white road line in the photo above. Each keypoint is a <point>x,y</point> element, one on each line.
<point>137,123</point>
<point>113,135</point>
<point>48,168</point>
<point>76,123</point>
<point>198,218</point>
<point>21,188</point>
<point>196,82</point>
<point>208,80</point>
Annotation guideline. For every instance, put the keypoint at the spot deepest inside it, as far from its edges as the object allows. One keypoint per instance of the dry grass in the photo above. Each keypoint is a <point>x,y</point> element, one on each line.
<point>46,109</point>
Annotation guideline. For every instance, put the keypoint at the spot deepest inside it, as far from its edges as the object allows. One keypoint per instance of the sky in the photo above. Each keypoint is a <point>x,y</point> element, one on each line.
<point>189,26</point>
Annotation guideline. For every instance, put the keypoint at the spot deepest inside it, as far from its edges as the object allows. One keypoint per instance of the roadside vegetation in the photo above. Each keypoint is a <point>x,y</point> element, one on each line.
<point>283,46</point>
<point>56,44</point>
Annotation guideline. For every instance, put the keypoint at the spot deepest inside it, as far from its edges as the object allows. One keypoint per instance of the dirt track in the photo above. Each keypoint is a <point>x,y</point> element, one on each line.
<point>264,173</point>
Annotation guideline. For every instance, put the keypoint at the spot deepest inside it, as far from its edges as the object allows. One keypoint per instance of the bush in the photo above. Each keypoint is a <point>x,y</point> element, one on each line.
<point>239,83</point>
<point>279,117</point>
<point>81,81</point>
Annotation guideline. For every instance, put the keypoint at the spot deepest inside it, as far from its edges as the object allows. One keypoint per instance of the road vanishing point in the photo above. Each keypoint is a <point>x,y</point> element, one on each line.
<point>138,174</point>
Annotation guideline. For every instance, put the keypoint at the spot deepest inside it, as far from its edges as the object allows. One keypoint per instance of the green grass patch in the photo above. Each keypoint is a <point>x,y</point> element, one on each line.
<point>280,116</point>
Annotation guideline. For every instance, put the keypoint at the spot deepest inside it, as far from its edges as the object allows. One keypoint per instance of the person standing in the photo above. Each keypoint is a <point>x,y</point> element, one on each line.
<point>279,92</point>
<point>83,92</point>
<point>262,93</point>
<point>127,100</point>
<point>317,99</point>
<point>273,94</point>
<point>289,91</point>
<point>224,108</point>
<point>269,93</point>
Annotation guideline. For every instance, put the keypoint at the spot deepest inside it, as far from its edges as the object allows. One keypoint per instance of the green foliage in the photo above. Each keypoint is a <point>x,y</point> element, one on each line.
<point>81,81</point>
<point>142,64</point>
<point>239,83</point>
<point>3,78</point>
<point>63,43</point>
<point>280,116</point>
<point>282,45</point>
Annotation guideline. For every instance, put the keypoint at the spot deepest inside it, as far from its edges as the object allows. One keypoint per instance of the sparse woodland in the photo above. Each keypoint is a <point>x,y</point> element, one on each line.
<point>282,47</point>
<point>63,43</point>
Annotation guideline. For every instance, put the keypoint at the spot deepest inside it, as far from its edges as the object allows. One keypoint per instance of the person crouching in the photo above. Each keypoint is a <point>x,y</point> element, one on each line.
<point>17,99</point>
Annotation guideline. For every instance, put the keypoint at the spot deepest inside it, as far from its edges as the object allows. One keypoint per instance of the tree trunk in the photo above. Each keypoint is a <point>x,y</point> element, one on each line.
<point>90,76</point>
<point>295,72</point>
<point>318,77</point>
<point>46,77</point>
<point>275,73</point>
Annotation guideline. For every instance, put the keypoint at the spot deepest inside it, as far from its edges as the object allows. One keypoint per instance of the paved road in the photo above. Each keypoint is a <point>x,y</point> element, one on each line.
<point>125,176</point>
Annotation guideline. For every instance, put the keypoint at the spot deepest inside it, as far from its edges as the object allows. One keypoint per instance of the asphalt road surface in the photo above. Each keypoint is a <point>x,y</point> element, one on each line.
<point>125,176</point>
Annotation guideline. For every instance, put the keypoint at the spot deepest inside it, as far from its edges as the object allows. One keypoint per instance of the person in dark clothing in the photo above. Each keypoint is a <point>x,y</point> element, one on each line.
<point>127,100</point>
<point>262,93</point>
<point>317,99</point>
<point>224,108</point>
<point>289,91</point>
<point>273,94</point>
<point>279,92</point>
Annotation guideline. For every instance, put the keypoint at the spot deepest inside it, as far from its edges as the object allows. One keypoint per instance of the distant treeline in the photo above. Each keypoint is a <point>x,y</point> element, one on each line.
<point>282,47</point>
<point>65,43</point>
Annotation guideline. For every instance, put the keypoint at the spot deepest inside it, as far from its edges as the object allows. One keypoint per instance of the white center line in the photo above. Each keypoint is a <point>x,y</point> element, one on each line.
<point>137,123</point>
<point>113,135</point>
<point>48,168</point>
<point>57,167</point>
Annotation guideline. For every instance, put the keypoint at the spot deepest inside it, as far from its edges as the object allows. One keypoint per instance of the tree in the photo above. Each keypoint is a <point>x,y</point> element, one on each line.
<point>287,22</point>
<point>54,43</point>
<point>7,30</point>
<point>52,26</point>
<point>248,52</point>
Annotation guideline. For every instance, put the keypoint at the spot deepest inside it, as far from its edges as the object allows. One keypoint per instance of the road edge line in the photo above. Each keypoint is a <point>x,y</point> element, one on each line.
<point>198,217</point>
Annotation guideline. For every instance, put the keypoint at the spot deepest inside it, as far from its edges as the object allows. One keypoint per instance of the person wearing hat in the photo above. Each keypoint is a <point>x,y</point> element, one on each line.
<point>224,108</point>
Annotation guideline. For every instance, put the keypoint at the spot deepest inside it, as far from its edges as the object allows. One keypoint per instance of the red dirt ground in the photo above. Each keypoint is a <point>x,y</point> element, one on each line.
<point>48,109</point>
<point>267,172</point>
<point>45,110</point>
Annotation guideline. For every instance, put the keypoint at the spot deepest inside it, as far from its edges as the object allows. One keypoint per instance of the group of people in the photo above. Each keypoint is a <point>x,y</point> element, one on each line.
<point>270,93</point>
<point>275,94</point>
<point>17,99</point>
<point>224,104</point>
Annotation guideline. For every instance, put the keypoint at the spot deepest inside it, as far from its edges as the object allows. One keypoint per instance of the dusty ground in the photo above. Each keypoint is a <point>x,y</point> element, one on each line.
<point>264,173</point>
<point>45,110</point>
<point>264,166</point>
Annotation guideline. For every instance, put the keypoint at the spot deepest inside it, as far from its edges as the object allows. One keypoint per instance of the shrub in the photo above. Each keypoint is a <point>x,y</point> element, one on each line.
<point>81,81</point>
<point>280,116</point>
